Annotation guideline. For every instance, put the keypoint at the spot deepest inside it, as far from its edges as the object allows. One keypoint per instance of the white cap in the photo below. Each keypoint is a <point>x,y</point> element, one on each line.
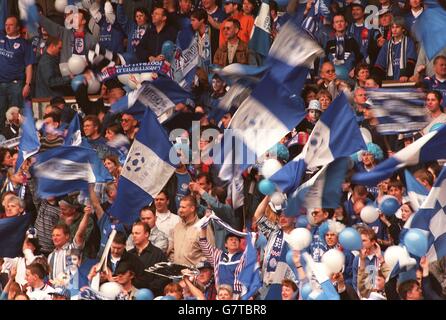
<point>315,105</point>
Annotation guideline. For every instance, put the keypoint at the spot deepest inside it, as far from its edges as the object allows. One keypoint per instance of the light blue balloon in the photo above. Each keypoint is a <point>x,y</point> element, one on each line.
<point>289,258</point>
<point>168,50</point>
<point>77,81</point>
<point>416,242</point>
<point>305,291</point>
<point>323,229</point>
<point>350,239</point>
<point>261,241</point>
<point>389,206</point>
<point>266,187</point>
<point>168,298</point>
<point>144,294</point>
<point>302,221</point>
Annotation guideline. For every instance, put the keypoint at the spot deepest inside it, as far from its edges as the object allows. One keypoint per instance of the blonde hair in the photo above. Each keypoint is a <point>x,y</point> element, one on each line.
<point>10,112</point>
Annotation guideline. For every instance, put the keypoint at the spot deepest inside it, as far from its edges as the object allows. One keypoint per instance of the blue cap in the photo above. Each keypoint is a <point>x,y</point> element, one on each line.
<point>61,291</point>
<point>232,1</point>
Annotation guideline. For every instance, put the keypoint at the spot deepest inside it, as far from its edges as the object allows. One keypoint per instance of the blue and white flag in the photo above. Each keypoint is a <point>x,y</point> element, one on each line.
<point>250,272</point>
<point>429,28</point>
<point>29,142</point>
<point>415,190</point>
<point>335,135</point>
<point>160,95</point>
<point>431,218</point>
<point>146,171</point>
<point>29,14</point>
<point>67,169</point>
<point>12,235</point>
<point>73,137</point>
<point>323,190</point>
<point>260,39</point>
<point>431,146</point>
<point>398,110</point>
<point>186,59</point>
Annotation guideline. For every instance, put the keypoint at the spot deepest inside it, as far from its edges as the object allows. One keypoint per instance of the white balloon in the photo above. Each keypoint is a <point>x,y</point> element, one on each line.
<point>392,255</point>
<point>77,64</point>
<point>277,198</point>
<point>270,167</point>
<point>124,79</point>
<point>60,5</point>
<point>333,260</point>
<point>369,214</point>
<point>298,239</point>
<point>110,290</point>
<point>64,70</point>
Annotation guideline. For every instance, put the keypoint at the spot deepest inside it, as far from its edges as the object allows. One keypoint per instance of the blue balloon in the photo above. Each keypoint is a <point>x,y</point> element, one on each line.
<point>144,294</point>
<point>323,229</point>
<point>282,3</point>
<point>389,206</point>
<point>305,291</point>
<point>77,81</point>
<point>416,242</point>
<point>266,187</point>
<point>289,258</point>
<point>342,72</point>
<point>302,221</point>
<point>168,50</point>
<point>167,298</point>
<point>261,241</point>
<point>350,239</point>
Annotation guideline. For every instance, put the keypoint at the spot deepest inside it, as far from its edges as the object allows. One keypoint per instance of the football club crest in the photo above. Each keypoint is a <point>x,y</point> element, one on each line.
<point>79,45</point>
<point>16,45</point>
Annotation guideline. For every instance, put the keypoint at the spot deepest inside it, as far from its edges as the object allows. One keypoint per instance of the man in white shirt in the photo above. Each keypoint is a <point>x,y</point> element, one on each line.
<point>165,220</point>
<point>37,289</point>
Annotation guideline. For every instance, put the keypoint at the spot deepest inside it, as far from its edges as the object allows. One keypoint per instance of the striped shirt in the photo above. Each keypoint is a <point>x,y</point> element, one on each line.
<point>58,259</point>
<point>226,269</point>
<point>47,218</point>
<point>46,144</point>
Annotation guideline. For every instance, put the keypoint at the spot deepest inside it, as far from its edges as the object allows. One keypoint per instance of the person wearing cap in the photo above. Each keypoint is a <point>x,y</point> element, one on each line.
<point>384,22</point>
<point>396,60</point>
<point>364,35</point>
<point>225,262</point>
<point>124,275</point>
<point>233,50</point>
<point>341,48</point>
<point>201,287</point>
<point>275,226</point>
<point>60,293</point>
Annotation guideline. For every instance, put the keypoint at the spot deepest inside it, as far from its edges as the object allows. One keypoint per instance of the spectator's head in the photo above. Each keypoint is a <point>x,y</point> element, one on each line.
<point>339,23</point>
<point>357,10</point>
<point>13,115</point>
<point>117,247</point>
<point>232,243</point>
<point>398,27</point>
<point>111,162</point>
<point>440,67</point>
<point>314,110</point>
<point>289,290</point>
<point>425,177</point>
<point>128,123</point>
<point>124,273</point>
<point>273,9</point>
<point>188,208</point>
<point>226,119</point>
<point>52,120</point>
<point>232,6</point>
<point>362,72</point>
<point>198,19</point>
<point>206,272</point>
<point>204,180</point>
<point>328,72</point>
<point>35,274</point>
<point>91,126</point>
<point>208,5</point>
<point>185,6</point>
<point>368,237</point>
<point>57,102</point>
<point>68,207</point>
<point>218,84</point>
<point>12,26</point>
<point>174,290</point>
<point>162,202</point>
<point>371,83</point>
<point>406,211</point>
<point>433,102</point>
<point>14,206</point>
<point>53,46</point>
<point>395,188</point>
<point>112,131</point>
<point>140,234</point>
<point>80,19</point>
<point>360,96</point>
<point>159,17</point>
<point>14,290</point>
<point>385,18</point>
<point>141,16</point>
<point>5,158</point>
<point>231,27</point>
<point>359,193</point>
<point>111,190</point>
<point>113,91</point>
<point>324,97</point>
<point>320,215</point>
<point>249,7</point>
<point>410,290</point>
<point>60,235</point>
<point>147,215</point>
<point>224,292</point>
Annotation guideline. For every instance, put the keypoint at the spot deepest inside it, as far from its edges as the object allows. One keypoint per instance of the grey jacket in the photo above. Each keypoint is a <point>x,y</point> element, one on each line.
<point>66,36</point>
<point>49,81</point>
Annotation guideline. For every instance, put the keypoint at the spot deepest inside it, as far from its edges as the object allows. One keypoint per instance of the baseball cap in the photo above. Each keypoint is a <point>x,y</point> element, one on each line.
<point>203,265</point>
<point>69,201</point>
<point>61,291</point>
<point>384,11</point>
<point>314,105</point>
<point>357,3</point>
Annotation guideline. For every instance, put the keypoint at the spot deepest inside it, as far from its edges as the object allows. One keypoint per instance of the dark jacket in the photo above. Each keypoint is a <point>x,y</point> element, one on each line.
<point>49,81</point>
<point>152,42</point>
<point>241,54</point>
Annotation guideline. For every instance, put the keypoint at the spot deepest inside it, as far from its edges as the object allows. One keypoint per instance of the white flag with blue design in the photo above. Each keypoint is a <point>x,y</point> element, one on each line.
<point>415,190</point>
<point>431,146</point>
<point>431,217</point>
<point>335,135</point>
<point>260,39</point>
<point>146,171</point>
<point>29,141</point>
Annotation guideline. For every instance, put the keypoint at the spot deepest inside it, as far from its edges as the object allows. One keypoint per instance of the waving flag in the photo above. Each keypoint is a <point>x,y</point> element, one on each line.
<point>29,142</point>
<point>186,59</point>
<point>67,169</point>
<point>146,171</point>
<point>431,146</point>
<point>12,234</point>
<point>398,110</point>
<point>73,136</point>
<point>416,191</point>
<point>335,135</point>
<point>429,28</point>
<point>323,190</point>
<point>29,14</point>
<point>250,270</point>
<point>260,40</point>
<point>431,217</point>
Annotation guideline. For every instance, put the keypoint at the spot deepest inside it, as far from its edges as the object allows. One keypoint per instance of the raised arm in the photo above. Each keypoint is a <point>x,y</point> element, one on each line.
<point>79,238</point>
<point>95,202</point>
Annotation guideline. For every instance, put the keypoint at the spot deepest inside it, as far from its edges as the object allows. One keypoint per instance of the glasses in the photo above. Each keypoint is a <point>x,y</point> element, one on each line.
<point>125,120</point>
<point>330,71</point>
<point>314,213</point>
<point>226,28</point>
